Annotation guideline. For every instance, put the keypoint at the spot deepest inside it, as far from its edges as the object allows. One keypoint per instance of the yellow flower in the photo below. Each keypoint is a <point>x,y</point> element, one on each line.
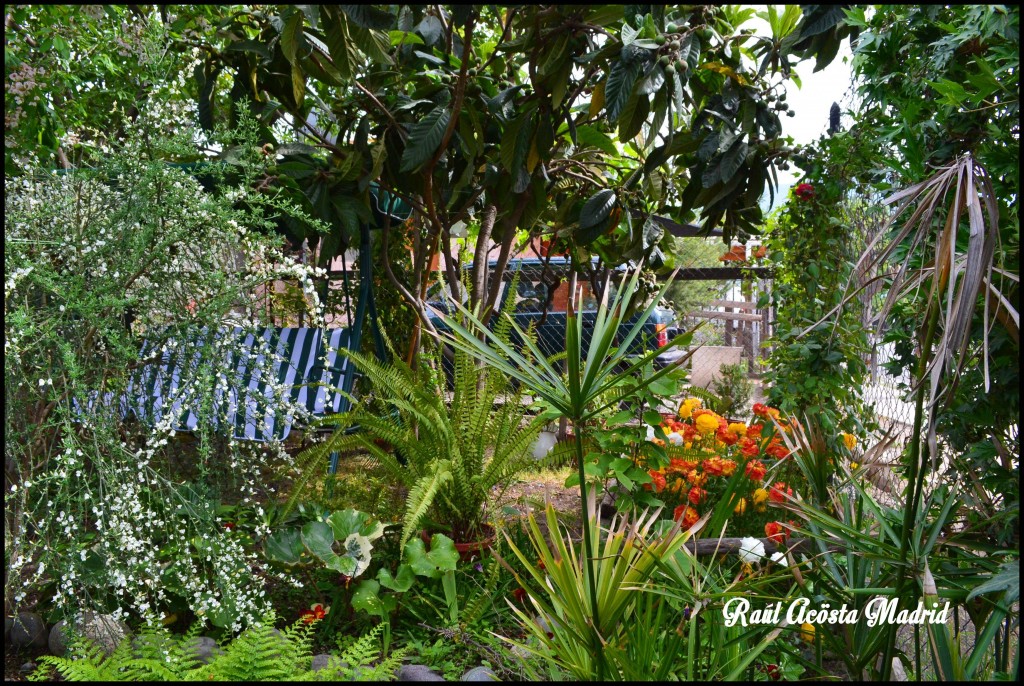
<point>688,406</point>
<point>807,632</point>
<point>738,429</point>
<point>759,496</point>
<point>707,424</point>
<point>849,440</point>
<point>747,569</point>
<point>741,506</point>
<point>854,465</point>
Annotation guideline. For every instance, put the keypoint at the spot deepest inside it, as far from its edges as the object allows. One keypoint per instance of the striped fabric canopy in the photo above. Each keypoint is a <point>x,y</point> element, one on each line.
<point>259,380</point>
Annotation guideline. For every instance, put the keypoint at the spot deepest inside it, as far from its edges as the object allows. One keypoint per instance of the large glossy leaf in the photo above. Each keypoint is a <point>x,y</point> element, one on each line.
<point>425,138</point>
<point>597,208</point>
<point>369,17</point>
<point>619,86</point>
<point>291,37</point>
<point>401,582</point>
<point>284,546</point>
<point>441,558</point>
<point>318,537</point>
<point>367,598</point>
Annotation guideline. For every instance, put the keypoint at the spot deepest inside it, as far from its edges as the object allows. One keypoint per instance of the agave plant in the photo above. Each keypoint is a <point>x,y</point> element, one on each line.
<point>597,377</point>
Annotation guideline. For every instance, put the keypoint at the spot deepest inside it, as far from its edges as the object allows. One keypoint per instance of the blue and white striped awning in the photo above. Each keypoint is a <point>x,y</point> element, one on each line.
<point>241,368</point>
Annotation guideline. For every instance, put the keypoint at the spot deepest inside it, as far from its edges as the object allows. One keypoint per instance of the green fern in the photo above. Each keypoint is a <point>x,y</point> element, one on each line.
<point>454,452</point>
<point>260,653</point>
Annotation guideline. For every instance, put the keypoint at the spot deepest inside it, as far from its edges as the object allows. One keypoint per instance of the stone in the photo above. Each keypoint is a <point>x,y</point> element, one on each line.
<point>542,622</point>
<point>480,673</point>
<point>27,668</point>
<point>320,661</point>
<point>205,649</point>
<point>417,673</point>
<point>103,630</point>
<point>28,632</point>
<point>8,623</point>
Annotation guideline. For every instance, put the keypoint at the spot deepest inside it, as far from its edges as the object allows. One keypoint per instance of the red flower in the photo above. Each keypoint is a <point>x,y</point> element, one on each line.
<point>697,495</point>
<point>804,191</point>
<point>754,431</point>
<point>519,594</point>
<point>775,532</point>
<point>778,492</point>
<point>760,409</point>
<point>749,448</point>
<point>756,470</point>
<point>777,450</point>
<point>314,614</point>
<point>727,437</point>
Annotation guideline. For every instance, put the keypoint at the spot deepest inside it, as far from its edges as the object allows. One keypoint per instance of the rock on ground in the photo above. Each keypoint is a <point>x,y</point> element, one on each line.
<point>417,673</point>
<point>480,674</point>
<point>28,632</point>
<point>103,630</point>
<point>205,649</point>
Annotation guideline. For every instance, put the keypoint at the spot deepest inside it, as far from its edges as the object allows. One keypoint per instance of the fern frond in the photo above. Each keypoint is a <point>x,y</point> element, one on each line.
<point>421,497</point>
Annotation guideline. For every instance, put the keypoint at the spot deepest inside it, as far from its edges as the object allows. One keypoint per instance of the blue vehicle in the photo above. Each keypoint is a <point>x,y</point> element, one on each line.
<point>532,294</point>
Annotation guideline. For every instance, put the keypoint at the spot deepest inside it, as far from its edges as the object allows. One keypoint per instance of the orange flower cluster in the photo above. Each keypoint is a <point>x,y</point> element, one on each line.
<point>704,450</point>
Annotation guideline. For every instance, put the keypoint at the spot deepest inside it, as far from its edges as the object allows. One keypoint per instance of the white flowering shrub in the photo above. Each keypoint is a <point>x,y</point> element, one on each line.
<point>99,262</point>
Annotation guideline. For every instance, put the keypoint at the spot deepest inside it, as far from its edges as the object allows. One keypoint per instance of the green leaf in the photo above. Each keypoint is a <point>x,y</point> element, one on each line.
<point>733,159</point>
<point>347,522</point>
<point>597,208</point>
<point>620,418</point>
<point>588,135</point>
<point>425,139</point>
<point>401,582</point>
<point>619,86</point>
<point>442,556</point>
<point>367,598</point>
<point>318,537</point>
<point>284,546</point>
<point>291,37</point>
<point>952,91</point>
<point>1008,579</point>
<point>653,418</point>
<point>404,38</point>
<point>369,17</point>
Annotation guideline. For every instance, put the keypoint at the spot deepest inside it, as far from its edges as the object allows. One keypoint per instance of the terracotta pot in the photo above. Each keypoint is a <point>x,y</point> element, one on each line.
<point>467,550</point>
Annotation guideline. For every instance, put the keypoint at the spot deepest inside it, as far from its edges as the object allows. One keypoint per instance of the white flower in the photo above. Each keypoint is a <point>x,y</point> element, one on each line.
<point>780,558</point>
<point>675,439</point>
<point>751,550</point>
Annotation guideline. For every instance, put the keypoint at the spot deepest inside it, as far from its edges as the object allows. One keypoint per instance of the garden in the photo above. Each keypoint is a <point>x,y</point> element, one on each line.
<point>375,343</point>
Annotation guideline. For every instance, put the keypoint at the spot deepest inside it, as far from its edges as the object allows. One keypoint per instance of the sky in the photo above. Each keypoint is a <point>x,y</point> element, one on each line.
<point>812,103</point>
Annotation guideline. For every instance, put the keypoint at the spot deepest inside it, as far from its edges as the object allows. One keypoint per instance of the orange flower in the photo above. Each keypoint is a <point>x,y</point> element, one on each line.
<point>778,492</point>
<point>748,447</point>
<point>697,495</point>
<point>696,478</point>
<point>755,470</point>
<point>687,515</point>
<point>760,410</point>
<point>754,431</point>
<point>777,450</point>
<point>681,466</point>
<point>775,531</point>
<point>659,481</point>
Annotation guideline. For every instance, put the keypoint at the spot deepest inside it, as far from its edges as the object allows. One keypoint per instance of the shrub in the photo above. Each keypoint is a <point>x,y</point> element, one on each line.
<point>99,259</point>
